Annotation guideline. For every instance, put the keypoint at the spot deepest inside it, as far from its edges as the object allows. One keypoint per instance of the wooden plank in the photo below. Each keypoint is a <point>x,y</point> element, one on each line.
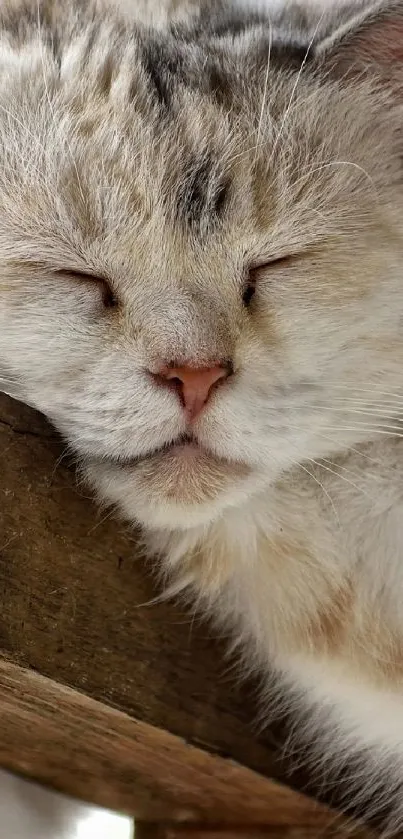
<point>337,830</point>
<point>85,748</point>
<point>75,606</point>
<point>88,660</point>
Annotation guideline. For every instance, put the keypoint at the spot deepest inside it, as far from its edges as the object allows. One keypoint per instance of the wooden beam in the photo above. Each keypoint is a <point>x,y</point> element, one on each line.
<point>103,695</point>
<point>147,830</point>
<point>89,749</point>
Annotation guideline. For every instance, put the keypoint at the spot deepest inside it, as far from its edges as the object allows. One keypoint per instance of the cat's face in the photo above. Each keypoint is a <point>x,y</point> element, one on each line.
<point>166,204</point>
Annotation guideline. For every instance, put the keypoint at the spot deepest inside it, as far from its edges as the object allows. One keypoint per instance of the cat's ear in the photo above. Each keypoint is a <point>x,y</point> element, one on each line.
<point>371,38</point>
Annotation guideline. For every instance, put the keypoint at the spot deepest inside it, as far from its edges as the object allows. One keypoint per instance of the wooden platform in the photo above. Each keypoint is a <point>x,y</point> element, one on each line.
<point>107,697</point>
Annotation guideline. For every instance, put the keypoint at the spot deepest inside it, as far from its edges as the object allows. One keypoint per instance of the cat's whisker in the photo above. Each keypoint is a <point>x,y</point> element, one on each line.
<point>49,101</point>
<point>373,389</point>
<point>381,428</point>
<point>375,402</point>
<point>369,430</point>
<point>323,460</point>
<point>346,409</point>
<point>322,487</point>
<point>265,88</point>
<point>296,83</point>
<point>345,448</point>
<point>66,451</point>
<point>296,105</point>
<point>194,615</point>
<point>105,518</point>
<point>153,601</point>
<point>321,465</point>
<point>359,392</point>
<point>344,468</point>
<point>361,424</point>
<point>317,169</point>
<point>387,412</point>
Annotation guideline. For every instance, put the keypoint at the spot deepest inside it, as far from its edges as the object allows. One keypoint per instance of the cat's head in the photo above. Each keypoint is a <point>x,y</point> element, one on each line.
<point>201,244</point>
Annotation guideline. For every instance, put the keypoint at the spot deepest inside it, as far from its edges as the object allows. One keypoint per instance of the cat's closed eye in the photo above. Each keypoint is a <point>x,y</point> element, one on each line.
<point>109,299</point>
<point>254,273</point>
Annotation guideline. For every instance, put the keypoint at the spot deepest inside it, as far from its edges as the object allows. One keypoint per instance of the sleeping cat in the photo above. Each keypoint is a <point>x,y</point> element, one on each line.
<point>201,285</point>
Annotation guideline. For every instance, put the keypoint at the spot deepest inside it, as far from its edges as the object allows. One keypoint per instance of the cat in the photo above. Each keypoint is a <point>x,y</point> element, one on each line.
<point>201,286</point>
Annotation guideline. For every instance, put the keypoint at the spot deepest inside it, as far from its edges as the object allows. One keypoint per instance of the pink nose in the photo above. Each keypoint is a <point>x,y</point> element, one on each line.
<point>194,384</point>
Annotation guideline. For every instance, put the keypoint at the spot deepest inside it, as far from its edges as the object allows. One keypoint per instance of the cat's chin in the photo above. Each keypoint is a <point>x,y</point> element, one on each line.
<point>182,487</point>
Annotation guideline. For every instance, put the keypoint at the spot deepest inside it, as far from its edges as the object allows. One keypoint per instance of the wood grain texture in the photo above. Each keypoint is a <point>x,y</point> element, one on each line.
<point>71,742</point>
<point>147,830</point>
<point>74,595</point>
<point>102,696</point>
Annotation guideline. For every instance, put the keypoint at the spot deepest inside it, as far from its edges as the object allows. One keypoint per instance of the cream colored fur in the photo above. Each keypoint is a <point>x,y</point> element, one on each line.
<point>287,524</point>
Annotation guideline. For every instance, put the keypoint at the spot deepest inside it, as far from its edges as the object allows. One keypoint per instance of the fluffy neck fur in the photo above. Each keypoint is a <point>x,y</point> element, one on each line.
<point>317,607</point>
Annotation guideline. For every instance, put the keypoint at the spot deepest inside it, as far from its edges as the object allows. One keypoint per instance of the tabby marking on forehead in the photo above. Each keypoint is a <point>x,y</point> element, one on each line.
<point>201,194</point>
<point>164,66</point>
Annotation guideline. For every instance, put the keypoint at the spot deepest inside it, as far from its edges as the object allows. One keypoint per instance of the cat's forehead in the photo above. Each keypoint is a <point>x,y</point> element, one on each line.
<point>219,60</point>
<point>127,132</point>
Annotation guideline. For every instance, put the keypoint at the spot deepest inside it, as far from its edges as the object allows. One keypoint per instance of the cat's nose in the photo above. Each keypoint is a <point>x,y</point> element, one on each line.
<point>194,384</point>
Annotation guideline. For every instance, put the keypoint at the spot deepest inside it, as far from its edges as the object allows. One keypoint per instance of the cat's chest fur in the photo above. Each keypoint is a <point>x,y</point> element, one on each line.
<point>311,567</point>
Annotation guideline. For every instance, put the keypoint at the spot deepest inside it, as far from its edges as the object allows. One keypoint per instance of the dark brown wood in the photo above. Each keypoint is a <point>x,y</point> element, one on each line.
<point>86,748</point>
<point>147,830</point>
<point>102,694</point>
<point>75,605</point>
